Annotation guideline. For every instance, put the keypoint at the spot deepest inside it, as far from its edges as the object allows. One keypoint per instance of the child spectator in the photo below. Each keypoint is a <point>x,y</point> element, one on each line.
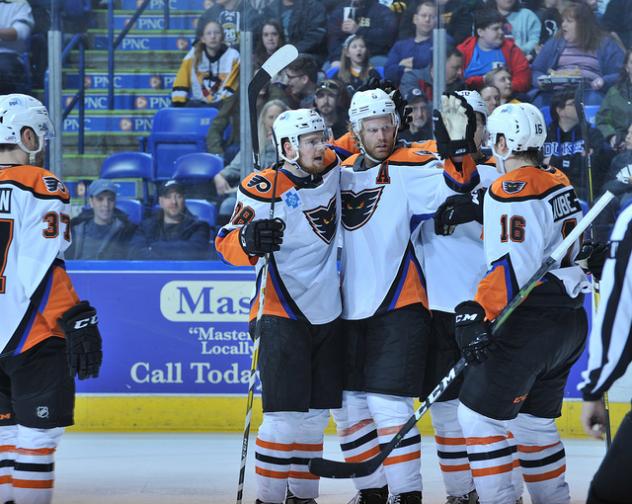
<point>501,79</point>
<point>453,77</point>
<point>523,25</point>
<point>16,24</point>
<point>209,73</point>
<point>489,48</point>
<point>491,96</point>
<point>354,68</point>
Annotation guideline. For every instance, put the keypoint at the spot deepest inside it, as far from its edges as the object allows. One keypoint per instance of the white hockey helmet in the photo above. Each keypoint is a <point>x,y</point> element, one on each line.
<point>474,100</point>
<point>18,111</point>
<point>291,124</point>
<point>368,104</point>
<point>522,125</point>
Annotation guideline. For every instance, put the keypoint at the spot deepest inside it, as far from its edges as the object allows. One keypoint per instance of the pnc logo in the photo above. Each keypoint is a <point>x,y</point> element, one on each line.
<point>206,301</point>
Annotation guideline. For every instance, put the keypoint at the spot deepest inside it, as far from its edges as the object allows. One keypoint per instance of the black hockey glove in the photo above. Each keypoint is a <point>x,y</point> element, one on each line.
<point>454,126</point>
<point>592,257</point>
<point>261,237</point>
<point>472,332</point>
<point>83,340</point>
<point>459,209</point>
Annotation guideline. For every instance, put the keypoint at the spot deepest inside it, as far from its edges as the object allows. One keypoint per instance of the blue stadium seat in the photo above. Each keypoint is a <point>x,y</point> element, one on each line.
<point>203,210</point>
<point>132,207</point>
<point>197,166</point>
<point>331,72</point>
<point>175,132</point>
<point>546,112</point>
<point>380,70</point>
<point>591,113</point>
<point>130,165</point>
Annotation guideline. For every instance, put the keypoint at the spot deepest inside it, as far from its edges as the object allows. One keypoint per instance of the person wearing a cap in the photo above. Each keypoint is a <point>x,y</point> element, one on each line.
<point>328,103</point>
<point>172,233</point>
<point>101,231</point>
<point>420,125</point>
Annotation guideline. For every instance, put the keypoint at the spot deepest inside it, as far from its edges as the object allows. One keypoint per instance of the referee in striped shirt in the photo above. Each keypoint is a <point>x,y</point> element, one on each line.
<point>610,353</point>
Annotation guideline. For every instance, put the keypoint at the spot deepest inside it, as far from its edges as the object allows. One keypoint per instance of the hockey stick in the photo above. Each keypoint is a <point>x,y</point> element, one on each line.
<point>336,469</point>
<point>587,160</point>
<point>272,66</point>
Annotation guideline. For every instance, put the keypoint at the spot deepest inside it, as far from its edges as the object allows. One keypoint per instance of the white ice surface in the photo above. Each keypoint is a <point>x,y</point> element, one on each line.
<point>179,468</point>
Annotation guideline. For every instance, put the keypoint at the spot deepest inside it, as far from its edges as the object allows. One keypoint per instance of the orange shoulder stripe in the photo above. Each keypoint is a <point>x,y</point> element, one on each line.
<point>411,156</point>
<point>259,185</point>
<point>528,182</point>
<point>40,182</point>
<point>350,160</point>
<point>346,142</point>
<point>427,145</point>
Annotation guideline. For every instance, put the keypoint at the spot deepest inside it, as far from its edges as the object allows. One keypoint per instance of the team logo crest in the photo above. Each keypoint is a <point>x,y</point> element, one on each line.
<point>511,187</point>
<point>357,208</point>
<point>323,220</point>
<point>260,183</point>
<point>53,184</point>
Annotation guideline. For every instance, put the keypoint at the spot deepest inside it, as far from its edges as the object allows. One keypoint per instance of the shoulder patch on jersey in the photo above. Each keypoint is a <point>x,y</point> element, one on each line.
<point>322,219</point>
<point>259,185</point>
<point>513,186</point>
<point>357,208</point>
<point>5,200</point>
<point>53,184</point>
<point>565,204</point>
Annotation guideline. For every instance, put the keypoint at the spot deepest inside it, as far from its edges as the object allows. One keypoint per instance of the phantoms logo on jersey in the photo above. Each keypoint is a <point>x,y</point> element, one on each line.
<point>357,208</point>
<point>53,184</point>
<point>5,200</point>
<point>511,187</point>
<point>564,204</point>
<point>260,183</point>
<point>323,220</point>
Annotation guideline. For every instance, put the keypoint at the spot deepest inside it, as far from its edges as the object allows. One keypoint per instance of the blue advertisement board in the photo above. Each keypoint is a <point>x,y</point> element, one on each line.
<point>177,327</point>
<point>169,327</point>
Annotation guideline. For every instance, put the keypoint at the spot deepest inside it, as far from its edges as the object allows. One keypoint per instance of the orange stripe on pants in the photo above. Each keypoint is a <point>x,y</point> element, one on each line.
<point>534,478</point>
<point>364,455</point>
<point>402,458</point>
<point>18,483</point>
<point>491,471</point>
<point>454,468</point>
<point>271,474</point>
<point>274,446</point>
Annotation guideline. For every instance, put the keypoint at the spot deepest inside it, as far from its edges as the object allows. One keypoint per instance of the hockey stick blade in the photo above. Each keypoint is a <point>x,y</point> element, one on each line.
<point>281,58</point>
<point>336,469</point>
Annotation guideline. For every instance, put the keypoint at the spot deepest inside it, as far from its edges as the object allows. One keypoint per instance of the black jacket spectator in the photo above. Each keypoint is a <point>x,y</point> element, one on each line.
<point>377,24</point>
<point>306,26</point>
<point>618,19</point>
<point>93,241</point>
<point>187,240</point>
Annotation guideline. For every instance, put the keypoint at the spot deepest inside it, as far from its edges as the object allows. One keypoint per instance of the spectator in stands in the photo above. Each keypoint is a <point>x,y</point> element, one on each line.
<point>269,39</point>
<point>565,150</point>
<point>550,19</point>
<point>579,49</point>
<point>355,69</point>
<point>228,179</point>
<point>618,180</point>
<point>301,76</point>
<point>491,96</point>
<point>523,25</point>
<point>413,54</point>
<point>228,13</point>
<point>618,19</point>
<point>304,24</point>
<point>332,103</point>
<point>420,125</point>
<point>615,113</point>
<point>501,79</point>
<point>453,76</point>
<point>173,233</point>
<point>16,24</point>
<point>209,73</point>
<point>101,231</point>
<point>489,48</point>
<point>371,20</point>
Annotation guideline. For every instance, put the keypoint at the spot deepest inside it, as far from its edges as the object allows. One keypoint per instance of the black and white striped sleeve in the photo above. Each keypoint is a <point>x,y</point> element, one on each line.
<point>610,344</point>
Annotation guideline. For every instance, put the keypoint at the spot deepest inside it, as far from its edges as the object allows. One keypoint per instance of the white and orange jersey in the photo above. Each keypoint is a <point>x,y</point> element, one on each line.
<point>34,232</point>
<point>527,213</point>
<point>455,264</point>
<point>382,208</point>
<point>303,281</point>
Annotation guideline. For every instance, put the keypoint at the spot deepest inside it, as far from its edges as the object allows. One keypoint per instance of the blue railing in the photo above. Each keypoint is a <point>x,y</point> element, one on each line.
<point>77,40</point>
<point>113,43</point>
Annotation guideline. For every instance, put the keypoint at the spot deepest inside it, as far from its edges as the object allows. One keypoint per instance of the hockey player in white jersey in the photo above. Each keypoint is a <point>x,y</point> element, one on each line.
<point>387,190</point>
<point>301,355</point>
<point>454,263</point>
<point>516,383</point>
<point>46,334</point>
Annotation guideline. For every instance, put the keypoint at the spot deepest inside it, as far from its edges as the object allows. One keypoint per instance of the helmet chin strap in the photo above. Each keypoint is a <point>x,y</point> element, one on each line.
<point>501,159</point>
<point>32,153</point>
